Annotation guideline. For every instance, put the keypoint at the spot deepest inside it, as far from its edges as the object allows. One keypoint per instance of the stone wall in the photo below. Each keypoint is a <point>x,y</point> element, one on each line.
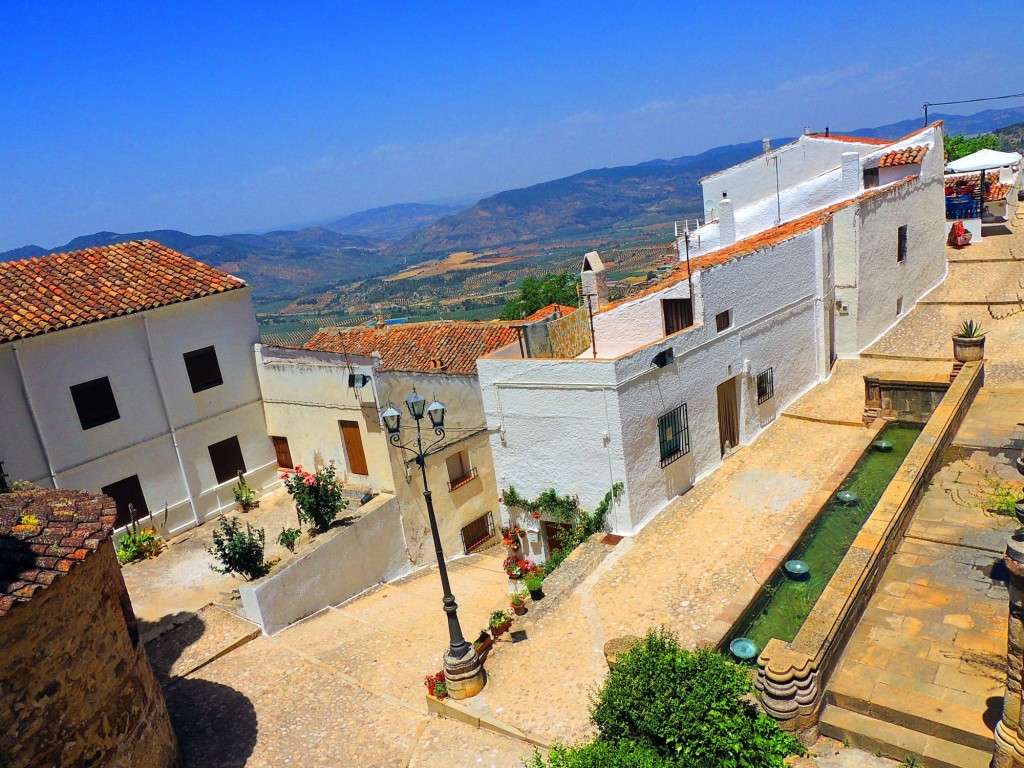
<point>77,688</point>
<point>903,396</point>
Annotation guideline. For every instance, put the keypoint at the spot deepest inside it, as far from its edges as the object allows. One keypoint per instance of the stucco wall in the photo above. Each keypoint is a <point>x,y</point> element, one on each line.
<point>641,321</point>
<point>76,689</point>
<point>343,563</point>
<point>140,441</point>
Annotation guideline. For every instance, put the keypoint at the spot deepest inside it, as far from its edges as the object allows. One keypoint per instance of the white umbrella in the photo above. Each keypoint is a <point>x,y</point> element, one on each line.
<point>983,160</point>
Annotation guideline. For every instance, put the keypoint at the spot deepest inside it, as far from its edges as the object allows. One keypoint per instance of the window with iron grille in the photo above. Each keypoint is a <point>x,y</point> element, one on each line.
<point>478,533</point>
<point>765,386</point>
<point>674,435</point>
<point>901,243</point>
<point>95,403</point>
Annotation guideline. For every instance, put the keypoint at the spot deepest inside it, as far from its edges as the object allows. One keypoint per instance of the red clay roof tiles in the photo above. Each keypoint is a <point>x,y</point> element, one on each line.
<point>547,311</point>
<point>444,346</point>
<point>849,139</point>
<point>905,156</point>
<point>44,534</point>
<point>64,290</point>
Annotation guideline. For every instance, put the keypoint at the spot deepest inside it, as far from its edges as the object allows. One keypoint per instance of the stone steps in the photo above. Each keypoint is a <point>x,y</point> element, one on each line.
<point>882,736</point>
<point>911,703</point>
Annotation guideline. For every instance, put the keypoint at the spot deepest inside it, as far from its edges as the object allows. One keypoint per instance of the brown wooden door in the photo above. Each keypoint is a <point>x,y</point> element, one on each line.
<point>353,447</point>
<point>728,415</point>
<point>284,454</point>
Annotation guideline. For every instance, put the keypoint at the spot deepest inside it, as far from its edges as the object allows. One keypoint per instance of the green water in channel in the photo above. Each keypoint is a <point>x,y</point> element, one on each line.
<point>824,546</point>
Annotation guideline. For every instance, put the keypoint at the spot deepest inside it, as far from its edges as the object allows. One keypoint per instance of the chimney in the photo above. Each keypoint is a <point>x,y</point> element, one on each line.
<point>594,281</point>
<point>726,221</point>
<point>766,145</point>
<point>852,177</point>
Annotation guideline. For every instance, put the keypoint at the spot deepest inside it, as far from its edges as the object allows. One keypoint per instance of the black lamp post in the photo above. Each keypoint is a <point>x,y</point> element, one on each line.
<point>461,662</point>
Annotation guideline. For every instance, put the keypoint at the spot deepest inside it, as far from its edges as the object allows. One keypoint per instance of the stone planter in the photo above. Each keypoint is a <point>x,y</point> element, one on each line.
<point>968,349</point>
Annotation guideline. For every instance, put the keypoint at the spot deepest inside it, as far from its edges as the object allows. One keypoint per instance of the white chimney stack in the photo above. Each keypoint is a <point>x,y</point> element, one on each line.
<point>853,180</point>
<point>726,221</point>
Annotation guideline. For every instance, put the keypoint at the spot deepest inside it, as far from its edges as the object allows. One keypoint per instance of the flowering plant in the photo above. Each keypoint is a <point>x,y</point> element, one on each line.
<point>515,567</point>
<point>437,686</point>
<point>518,600</point>
<point>318,497</point>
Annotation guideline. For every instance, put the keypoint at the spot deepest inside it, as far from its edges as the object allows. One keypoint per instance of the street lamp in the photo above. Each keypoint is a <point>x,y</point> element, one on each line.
<point>462,669</point>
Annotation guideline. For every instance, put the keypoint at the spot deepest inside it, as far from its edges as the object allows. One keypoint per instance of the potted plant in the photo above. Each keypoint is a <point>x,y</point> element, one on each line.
<point>499,622</point>
<point>510,537</point>
<point>518,603</point>
<point>534,581</point>
<point>483,642</point>
<point>245,494</point>
<point>969,342</point>
<point>437,686</point>
<point>515,568</point>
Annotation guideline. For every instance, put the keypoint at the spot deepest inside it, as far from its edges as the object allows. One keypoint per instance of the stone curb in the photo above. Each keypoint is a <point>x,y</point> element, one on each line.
<point>455,711</point>
<point>224,650</point>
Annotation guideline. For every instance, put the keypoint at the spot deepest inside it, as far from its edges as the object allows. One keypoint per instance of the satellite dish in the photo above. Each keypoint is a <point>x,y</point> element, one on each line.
<point>709,206</point>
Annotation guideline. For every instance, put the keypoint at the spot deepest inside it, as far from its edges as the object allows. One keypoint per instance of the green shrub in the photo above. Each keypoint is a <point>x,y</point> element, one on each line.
<point>137,544</point>
<point>239,551</point>
<point>318,497</point>
<point>245,494</point>
<point>602,754</point>
<point>688,706</point>
<point>287,538</point>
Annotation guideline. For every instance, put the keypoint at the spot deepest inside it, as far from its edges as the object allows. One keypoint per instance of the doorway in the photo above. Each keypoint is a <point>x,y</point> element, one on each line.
<point>353,443</point>
<point>728,415</point>
<point>832,355</point>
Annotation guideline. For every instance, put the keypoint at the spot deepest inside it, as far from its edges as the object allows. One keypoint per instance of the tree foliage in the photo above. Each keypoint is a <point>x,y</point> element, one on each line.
<point>958,145</point>
<point>537,292</point>
<point>666,707</point>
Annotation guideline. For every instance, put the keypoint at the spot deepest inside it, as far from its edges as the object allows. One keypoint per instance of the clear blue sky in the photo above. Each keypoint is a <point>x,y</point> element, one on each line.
<point>215,117</point>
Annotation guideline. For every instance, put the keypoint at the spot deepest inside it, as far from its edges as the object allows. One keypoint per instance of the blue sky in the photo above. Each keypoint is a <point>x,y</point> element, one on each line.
<point>218,117</point>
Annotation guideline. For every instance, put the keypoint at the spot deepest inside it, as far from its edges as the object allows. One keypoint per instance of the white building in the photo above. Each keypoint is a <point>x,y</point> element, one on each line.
<point>669,381</point>
<point>323,403</point>
<point>129,369</point>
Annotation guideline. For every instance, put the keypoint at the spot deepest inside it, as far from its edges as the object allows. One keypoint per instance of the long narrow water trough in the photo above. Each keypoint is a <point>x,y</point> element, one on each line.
<point>785,602</point>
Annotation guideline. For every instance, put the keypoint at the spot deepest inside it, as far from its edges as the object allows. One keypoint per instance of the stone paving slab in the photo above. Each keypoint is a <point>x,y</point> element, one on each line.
<point>974,282</point>
<point>210,633</point>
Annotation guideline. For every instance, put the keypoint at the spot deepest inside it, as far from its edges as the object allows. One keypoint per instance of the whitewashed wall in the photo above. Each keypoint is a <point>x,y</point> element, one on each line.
<point>140,441</point>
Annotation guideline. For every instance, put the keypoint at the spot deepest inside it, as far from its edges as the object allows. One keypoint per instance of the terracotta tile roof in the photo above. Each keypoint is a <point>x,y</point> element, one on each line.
<point>997,192</point>
<point>848,139</point>
<point>447,346</point>
<point>759,241</point>
<point>905,156</point>
<point>64,290</point>
<point>71,525</point>
<point>547,311</point>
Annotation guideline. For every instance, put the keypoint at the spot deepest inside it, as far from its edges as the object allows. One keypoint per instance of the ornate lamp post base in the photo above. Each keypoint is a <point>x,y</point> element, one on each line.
<point>465,676</point>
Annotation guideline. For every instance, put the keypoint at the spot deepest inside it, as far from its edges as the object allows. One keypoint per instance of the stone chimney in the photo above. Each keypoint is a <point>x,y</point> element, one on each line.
<point>594,281</point>
<point>852,177</point>
<point>726,221</point>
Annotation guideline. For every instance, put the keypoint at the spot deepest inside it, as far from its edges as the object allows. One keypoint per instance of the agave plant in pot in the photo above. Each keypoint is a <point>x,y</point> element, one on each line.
<point>969,342</point>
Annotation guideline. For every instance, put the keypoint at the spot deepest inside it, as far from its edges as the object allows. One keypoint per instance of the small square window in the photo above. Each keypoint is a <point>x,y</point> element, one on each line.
<point>765,386</point>
<point>127,493</point>
<point>901,243</point>
<point>203,369</point>
<point>678,314</point>
<point>460,470</point>
<point>226,457</point>
<point>674,435</point>
<point>94,401</point>
<point>723,320</point>
<point>870,178</point>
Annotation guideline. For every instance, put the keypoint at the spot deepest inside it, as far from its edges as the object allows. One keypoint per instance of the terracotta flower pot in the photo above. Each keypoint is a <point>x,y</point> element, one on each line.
<point>497,632</point>
<point>968,349</point>
<point>519,609</point>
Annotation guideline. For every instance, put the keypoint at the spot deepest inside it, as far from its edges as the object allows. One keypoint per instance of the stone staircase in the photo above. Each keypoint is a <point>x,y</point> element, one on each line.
<point>902,722</point>
<point>356,495</point>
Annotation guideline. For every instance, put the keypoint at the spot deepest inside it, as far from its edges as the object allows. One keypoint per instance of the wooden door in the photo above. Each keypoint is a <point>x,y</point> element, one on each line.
<point>284,454</point>
<point>728,415</point>
<point>353,447</point>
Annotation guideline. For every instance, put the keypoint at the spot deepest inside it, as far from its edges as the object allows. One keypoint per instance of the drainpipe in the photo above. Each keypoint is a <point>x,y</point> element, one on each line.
<point>32,415</point>
<point>167,418</point>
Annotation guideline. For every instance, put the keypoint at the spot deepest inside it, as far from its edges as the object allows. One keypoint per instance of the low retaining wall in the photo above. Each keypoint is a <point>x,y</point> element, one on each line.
<point>345,562</point>
<point>902,396</point>
<point>791,676</point>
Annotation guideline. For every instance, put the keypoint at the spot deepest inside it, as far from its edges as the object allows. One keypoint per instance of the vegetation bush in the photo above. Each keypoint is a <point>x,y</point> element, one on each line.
<point>137,544</point>
<point>318,497</point>
<point>537,292</point>
<point>665,707</point>
<point>245,494</point>
<point>239,551</point>
<point>287,538</point>
<point>958,145</point>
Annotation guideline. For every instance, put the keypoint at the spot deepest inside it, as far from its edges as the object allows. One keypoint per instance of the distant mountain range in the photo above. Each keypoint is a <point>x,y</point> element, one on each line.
<point>599,201</point>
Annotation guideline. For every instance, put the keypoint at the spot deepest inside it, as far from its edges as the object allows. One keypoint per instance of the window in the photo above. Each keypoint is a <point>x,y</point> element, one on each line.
<point>678,314</point>
<point>284,454</point>
<point>94,401</point>
<point>460,471</point>
<point>226,457</point>
<point>478,532</point>
<point>723,320</point>
<point>899,306</point>
<point>901,243</point>
<point>674,435</point>
<point>125,493</point>
<point>203,369</point>
<point>870,178</point>
<point>765,386</point>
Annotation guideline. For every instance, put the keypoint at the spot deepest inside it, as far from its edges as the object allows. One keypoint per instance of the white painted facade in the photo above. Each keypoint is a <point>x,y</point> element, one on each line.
<point>582,425</point>
<point>306,394</point>
<point>163,431</point>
